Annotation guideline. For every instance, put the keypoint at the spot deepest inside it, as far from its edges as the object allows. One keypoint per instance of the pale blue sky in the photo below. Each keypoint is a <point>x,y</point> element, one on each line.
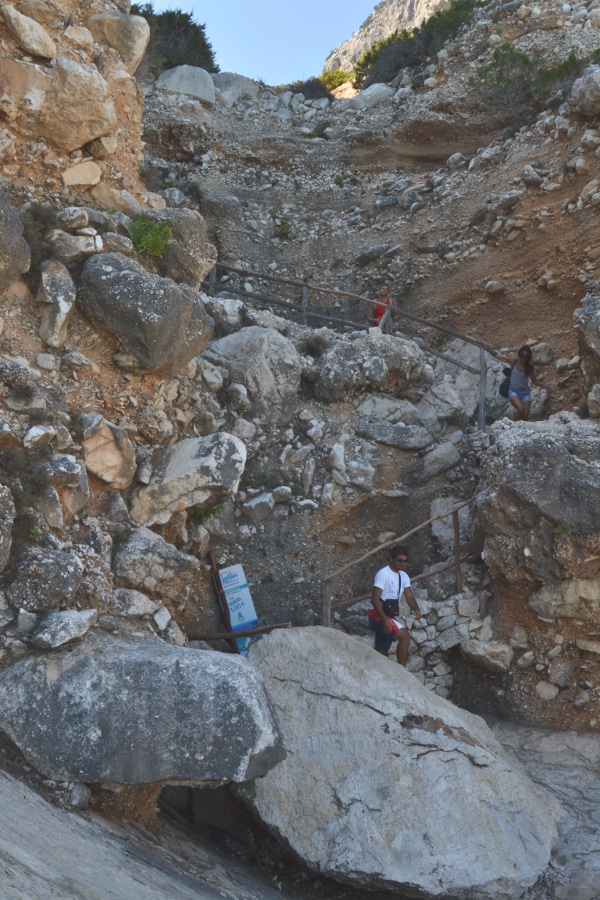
<point>274,40</point>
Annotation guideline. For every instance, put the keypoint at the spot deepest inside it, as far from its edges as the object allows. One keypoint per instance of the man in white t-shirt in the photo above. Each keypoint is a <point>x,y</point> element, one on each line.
<point>388,586</point>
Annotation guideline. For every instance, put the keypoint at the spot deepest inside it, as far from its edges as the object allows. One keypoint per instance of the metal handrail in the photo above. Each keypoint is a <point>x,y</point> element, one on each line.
<point>333,291</point>
<point>346,323</point>
<point>326,588</point>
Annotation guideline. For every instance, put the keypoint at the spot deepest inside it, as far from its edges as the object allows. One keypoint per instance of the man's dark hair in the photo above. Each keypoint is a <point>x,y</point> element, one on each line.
<point>398,550</point>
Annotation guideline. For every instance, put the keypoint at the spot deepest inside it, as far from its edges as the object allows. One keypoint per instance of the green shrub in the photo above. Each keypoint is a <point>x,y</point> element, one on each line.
<point>334,78</point>
<point>516,87</point>
<point>175,40</point>
<point>39,217</point>
<point>202,515</point>
<point>407,49</point>
<point>284,230</point>
<point>149,237</point>
<point>319,130</point>
<point>312,88</point>
<point>385,58</point>
<point>338,180</point>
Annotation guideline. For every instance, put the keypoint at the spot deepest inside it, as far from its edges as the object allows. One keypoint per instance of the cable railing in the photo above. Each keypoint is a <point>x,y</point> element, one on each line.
<point>386,324</point>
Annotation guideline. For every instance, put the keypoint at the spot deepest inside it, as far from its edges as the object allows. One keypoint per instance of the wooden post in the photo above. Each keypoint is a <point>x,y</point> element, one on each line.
<point>482,385</point>
<point>326,598</point>
<point>212,279</point>
<point>305,305</point>
<point>459,585</point>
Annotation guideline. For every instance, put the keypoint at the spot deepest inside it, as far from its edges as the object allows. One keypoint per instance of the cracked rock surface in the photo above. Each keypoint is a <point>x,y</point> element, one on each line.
<point>391,786</point>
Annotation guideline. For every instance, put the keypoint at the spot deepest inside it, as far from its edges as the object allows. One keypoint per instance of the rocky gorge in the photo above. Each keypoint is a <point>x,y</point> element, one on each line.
<point>154,417</point>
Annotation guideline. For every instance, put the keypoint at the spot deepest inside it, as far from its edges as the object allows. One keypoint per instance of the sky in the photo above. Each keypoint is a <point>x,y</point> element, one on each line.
<point>274,40</point>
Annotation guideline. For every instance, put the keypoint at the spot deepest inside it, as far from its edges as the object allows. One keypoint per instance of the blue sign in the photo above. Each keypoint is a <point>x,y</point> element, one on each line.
<point>239,601</point>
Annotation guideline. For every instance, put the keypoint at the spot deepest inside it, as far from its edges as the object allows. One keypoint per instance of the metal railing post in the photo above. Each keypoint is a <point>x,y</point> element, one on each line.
<point>482,387</point>
<point>455,525</point>
<point>305,305</point>
<point>326,601</point>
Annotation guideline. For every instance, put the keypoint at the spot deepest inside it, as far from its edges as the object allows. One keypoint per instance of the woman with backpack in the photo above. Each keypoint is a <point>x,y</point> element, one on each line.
<point>521,373</point>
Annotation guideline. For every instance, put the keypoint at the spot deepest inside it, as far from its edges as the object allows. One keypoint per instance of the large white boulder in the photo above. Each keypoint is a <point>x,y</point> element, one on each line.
<point>138,711</point>
<point>68,105</point>
<point>265,362</point>
<point>128,35</point>
<point>162,323</point>
<point>371,97</point>
<point>351,365</point>
<point>29,34</point>
<point>57,291</point>
<point>540,483</point>
<point>202,472</point>
<point>230,88</point>
<point>190,80</point>
<point>585,93</point>
<point>388,786</point>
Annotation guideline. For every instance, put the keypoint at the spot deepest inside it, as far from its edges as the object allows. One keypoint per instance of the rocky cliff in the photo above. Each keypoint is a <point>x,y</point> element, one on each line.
<point>387,17</point>
<point>151,415</point>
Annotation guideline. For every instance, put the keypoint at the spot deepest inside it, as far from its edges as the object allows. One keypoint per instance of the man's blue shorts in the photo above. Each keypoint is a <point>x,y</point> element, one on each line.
<point>383,641</point>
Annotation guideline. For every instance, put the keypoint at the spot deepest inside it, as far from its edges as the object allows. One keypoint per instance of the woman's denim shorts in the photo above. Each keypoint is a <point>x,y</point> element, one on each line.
<point>525,396</point>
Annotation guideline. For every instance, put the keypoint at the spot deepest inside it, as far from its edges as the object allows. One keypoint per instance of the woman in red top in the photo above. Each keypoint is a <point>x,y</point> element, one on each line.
<point>378,308</point>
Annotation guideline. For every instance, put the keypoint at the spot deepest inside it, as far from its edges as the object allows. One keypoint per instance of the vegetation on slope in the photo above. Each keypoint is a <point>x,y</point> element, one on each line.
<point>407,49</point>
<point>516,86</point>
<point>175,40</point>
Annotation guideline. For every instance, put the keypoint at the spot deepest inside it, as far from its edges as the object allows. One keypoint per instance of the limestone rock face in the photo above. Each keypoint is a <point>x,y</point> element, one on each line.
<point>128,35</point>
<point>265,362</point>
<point>131,604</point>
<point>371,97</point>
<point>43,11</point>
<point>56,290</point>
<point>405,437</point>
<point>139,711</point>
<point>68,105</point>
<point>392,787</point>
<point>29,35</point>
<point>188,256</point>
<point>45,579</point>
<point>489,655</point>
<point>375,360</point>
<point>15,255</point>
<point>390,409</point>
<point>585,93</point>
<point>163,324</point>
<point>110,455</point>
<point>7,517</point>
<point>453,399</point>
<point>59,626</point>
<point>587,327</point>
<point>572,598</point>
<point>190,80</point>
<point>547,756</point>
<point>230,88</point>
<point>74,249</point>
<point>96,855</point>
<point>142,560</point>
<point>201,472</point>
<point>386,18</point>
<point>538,481</point>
